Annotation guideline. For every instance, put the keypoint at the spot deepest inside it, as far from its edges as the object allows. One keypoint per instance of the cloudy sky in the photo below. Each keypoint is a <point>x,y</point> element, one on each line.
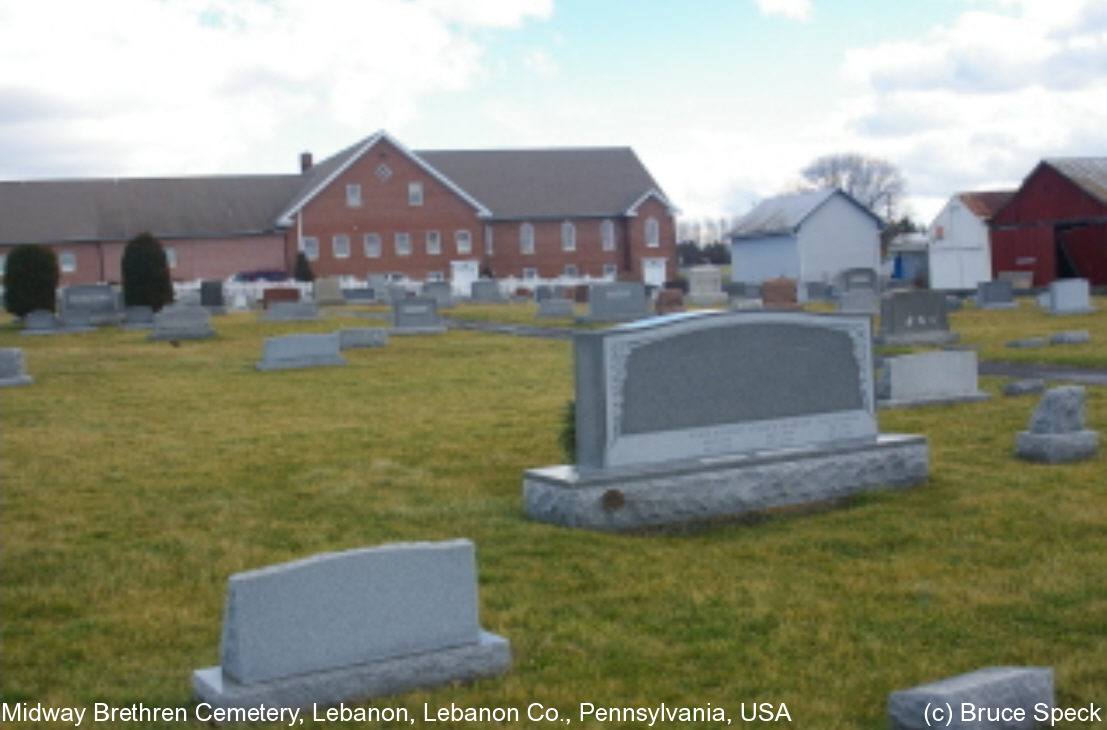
<point>724,100</point>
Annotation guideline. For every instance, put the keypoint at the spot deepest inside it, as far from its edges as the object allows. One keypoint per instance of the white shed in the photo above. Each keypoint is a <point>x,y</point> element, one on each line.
<point>960,253</point>
<point>809,237</point>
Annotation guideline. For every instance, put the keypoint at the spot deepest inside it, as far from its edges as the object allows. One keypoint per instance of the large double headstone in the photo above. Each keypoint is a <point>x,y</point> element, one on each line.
<point>697,415</point>
<point>917,317</point>
<point>352,625</point>
<point>96,304</point>
<point>182,322</point>
<point>416,316</point>
<point>617,301</point>
<point>12,370</point>
<point>1069,296</point>
<point>551,308</point>
<point>922,378</point>
<point>301,351</point>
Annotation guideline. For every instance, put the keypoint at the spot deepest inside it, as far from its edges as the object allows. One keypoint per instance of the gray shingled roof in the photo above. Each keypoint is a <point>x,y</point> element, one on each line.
<point>1090,173</point>
<point>540,183</point>
<point>548,183</point>
<point>108,209</point>
<point>781,215</point>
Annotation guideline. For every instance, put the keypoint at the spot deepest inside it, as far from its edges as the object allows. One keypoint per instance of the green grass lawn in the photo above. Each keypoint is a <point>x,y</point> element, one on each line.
<point>136,477</point>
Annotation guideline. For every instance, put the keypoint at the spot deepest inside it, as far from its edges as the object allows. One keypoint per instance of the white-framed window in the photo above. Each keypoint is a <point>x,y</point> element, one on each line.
<point>610,271</point>
<point>403,244</point>
<point>464,241</point>
<point>68,262</point>
<point>434,243</point>
<point>529,272</point>
<point>372,242</point>
<point>571,271</point>
<point>568,236</point>
<point>488,240</point>
<point>171,257</point>
<point>340,246</point>
<point>436,276</point>
<point>607,235</point>
<point>311,247</point>
<point>353,195</point>
<point>526,238</point>
<point>653,233</point>
<point>415,193</point>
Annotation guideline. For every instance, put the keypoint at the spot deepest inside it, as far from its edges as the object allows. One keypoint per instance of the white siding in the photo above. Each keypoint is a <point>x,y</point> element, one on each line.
<point>962,257</point>
<point>835,237</point>
<point>757,259</point>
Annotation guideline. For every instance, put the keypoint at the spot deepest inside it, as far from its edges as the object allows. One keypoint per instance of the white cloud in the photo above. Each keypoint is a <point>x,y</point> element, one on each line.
<point>188,85</point>
<point>795,9</point>
<point>979,101</point>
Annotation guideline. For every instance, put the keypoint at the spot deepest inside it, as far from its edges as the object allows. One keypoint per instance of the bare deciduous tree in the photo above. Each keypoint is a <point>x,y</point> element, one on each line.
<point>873,182</point>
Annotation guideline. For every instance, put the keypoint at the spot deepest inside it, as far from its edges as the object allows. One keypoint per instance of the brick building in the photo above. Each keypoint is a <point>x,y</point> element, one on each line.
<point>375,207</point>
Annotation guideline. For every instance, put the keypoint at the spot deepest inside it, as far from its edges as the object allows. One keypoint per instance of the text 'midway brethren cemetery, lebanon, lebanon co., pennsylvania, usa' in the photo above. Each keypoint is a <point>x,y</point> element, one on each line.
<point>694,416</point>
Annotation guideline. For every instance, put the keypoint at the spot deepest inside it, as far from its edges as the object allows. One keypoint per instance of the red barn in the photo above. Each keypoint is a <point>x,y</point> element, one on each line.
<point>1056,223</point>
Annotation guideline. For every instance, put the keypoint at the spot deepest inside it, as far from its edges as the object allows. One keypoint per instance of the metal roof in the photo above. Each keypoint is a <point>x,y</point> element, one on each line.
<point>1089,173</point>
<point>986,203</point>
<point>781,215</point>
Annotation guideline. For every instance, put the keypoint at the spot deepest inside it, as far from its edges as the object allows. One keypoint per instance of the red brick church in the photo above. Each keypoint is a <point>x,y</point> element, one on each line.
<point>374,208</point>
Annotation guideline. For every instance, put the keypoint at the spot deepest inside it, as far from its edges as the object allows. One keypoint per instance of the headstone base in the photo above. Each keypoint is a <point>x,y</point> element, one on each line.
<point>16,381</point>
<point>1074,310</point>
<point>998,305</point>
<point>707,300</point>
<point>888,403</point>
<point>705,489</point>
<point>1057,448</point>
<point>937,337</point>
<point>491,655</point>
<point>359,337</point>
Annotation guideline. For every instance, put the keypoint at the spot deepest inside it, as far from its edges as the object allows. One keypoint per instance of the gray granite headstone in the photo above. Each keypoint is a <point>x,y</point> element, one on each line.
<point>819,291</point>
<point>211,296</point>
<point>1056,433</point>
<point>40,322</point>
<point>997,294</point>
<point>138,317</point>
<point>301,351</point>
<point>915,318</point>
<point>99,301</point>
<point>353,624</point>
<point>328,291</point>
<point>12,369</point>
<point>937,376</point>
<point>552,308</point>
<point>617,301</point>
<point>705,286</point>
<point>685,386</point>
<point>361,337</point>
<point>291,312</point>
<point>555,291</point>
<point>416,315</point>
<point>182,322</point>
<point>441,291</point>
<point>76,320</point>
<point>361,296</point>
<point>1069,296</point>
<point>860,278</point>
<point>1070,337</point>
<point>694,415</point>
<point>955,702</point>
<point>1028,342</point>
<point>486,291</point>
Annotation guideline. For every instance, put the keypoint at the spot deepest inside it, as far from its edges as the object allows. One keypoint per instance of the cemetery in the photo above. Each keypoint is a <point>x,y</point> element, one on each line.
<point>154,497</point>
